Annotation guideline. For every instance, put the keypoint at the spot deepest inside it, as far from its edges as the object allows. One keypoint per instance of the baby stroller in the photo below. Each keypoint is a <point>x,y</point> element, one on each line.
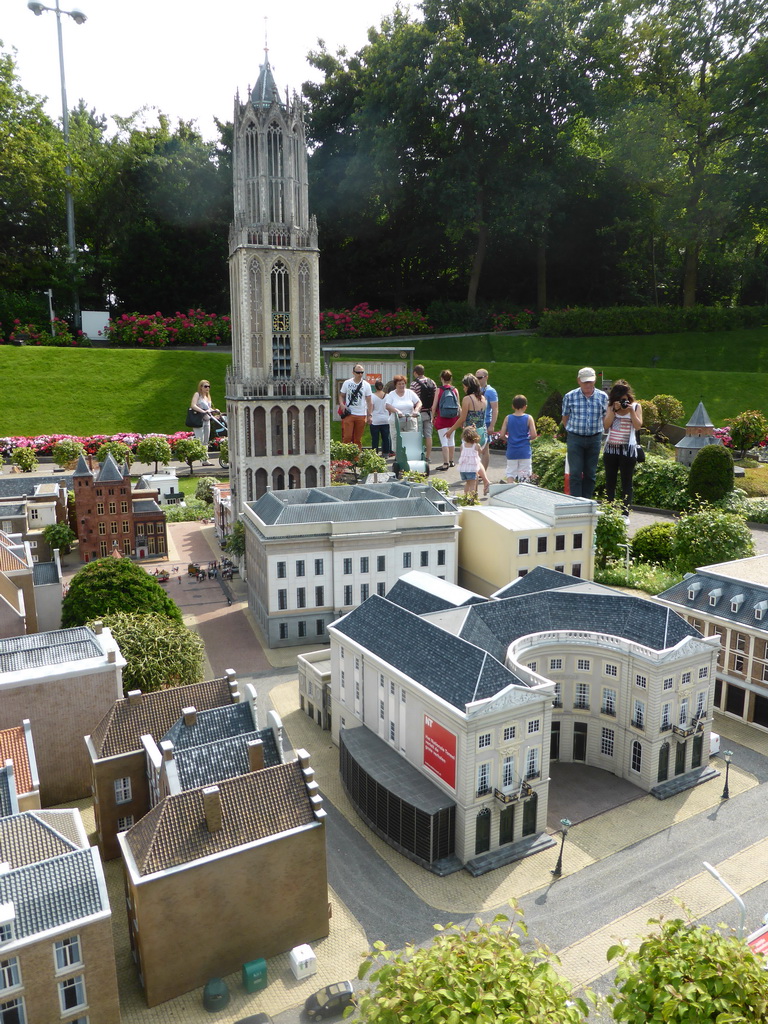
<point>219,425</point>
<point>409,447</point>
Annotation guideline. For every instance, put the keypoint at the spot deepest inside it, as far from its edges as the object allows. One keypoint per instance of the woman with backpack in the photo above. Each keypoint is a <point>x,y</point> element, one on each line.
<point>445,414</point>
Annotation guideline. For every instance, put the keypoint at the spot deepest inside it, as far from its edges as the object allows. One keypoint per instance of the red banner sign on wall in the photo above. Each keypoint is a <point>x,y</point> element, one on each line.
<point>440,751</point>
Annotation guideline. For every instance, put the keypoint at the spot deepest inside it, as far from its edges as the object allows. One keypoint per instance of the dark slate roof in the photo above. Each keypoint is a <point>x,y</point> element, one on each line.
<point>110,472</point>
<point>447,665</point>
<point>121,729</point>
<point>6,796</point>
<point>254,806</point>
<point>82,468</point>
<point>265,93</point>
<point>537,579</point>
<point>27,839</point>
<point>223,759</point>
<point>44,573</point>
<point>745,595</point>
<point>700,417</point>
<point>614,614</point>
<point>57,647</point>
<point>211,725</point>
<point>11,511</point>
<point>54,893</point>
<point>143,505</point>
<point>422,601</point>
<point>24,485</point>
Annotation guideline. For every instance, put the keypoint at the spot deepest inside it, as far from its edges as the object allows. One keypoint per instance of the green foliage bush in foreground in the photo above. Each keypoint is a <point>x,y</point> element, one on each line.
<point>690,975</point>
<point>711,474</point>
<point>480,975</point>
<point>710,535</point>
<point>653,543</point>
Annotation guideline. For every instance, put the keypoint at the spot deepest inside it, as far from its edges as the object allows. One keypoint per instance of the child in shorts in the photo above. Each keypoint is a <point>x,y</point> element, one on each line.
<point>519,430</point>
<point>470,465</point>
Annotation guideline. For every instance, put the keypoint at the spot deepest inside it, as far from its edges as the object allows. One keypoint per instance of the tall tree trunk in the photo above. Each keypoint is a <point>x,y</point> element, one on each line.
<point>477,264</point>
<point>690,275</point>
<point>541,274</point>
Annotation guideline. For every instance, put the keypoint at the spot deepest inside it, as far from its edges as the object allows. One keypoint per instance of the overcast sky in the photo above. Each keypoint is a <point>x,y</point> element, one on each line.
<point>186,57</point>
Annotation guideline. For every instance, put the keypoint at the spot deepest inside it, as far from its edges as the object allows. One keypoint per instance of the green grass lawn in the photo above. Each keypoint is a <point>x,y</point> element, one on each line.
<point>104,391</point>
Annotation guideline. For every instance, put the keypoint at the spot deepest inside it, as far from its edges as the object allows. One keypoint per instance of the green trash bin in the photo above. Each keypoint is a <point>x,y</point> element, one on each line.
<point>255,975</point>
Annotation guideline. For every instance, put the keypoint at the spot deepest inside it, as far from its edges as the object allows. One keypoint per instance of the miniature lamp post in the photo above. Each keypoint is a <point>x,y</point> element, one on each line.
<point>557,870</point>
<point>79,18</point>
<point>727,754</point>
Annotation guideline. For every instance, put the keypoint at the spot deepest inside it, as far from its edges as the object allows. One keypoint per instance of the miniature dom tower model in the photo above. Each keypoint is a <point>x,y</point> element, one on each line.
<point>277,399</point>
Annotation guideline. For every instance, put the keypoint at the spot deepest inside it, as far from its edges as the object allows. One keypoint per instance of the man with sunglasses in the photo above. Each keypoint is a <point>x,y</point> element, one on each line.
<point>355,399</point>
<point>491,414</point>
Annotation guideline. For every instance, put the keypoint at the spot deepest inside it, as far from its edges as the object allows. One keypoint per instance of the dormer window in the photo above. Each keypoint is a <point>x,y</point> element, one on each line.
<point>760,608</point>
<point>7,922</point>
<point>737,602</point>
<point>693,590</point>
<point>714,596</point>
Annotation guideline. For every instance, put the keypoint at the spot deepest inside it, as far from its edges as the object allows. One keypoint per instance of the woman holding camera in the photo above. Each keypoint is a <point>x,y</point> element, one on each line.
<point>622,420</point>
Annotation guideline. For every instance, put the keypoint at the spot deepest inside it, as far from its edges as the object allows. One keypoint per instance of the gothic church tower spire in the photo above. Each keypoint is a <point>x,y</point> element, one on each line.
<point>277,399</point>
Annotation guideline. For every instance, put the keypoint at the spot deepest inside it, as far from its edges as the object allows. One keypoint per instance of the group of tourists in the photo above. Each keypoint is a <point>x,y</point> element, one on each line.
<point>427,406</point>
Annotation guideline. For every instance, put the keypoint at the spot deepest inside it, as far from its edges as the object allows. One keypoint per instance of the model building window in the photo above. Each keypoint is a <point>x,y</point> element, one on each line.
<point>534,726</point>
<point>123,506</point>
<point>123,790</point>
<point>113,527</point>
<point>484,740</point>
<point>392,731</point>
<point>555,664</point>
<point>522,546</point>
<point>318,567</point>
<point>67,952</point>
<point>72,993</point>
<point>424,558</point>
<point>365,590</point>
<point>112,507</point>
<point>583,664</point>
<point>703,672</point>
<point>557,696</point>
<point>612,670</point>
<point>576,570</point>
<point>509,732</point>
<point>282,600</point>
<point>637,756</point>
<point>103,548</point>
<point>641,681</point>
<point>123,824</point>
<point>126,526</point>
<point>302,627</point>
<point>364,562</point>
<point>319,627</point>
<point>283,630</point>
<point>508,772</point>
<point>301,597</point>
<point>577,540</point>
<point>381,563</point>
<point>668,683</point>
<point>666,720</point>
<point>606,742</point>
<point>100,508</point>
<point>319,595</point>
<point>406,559</point>
<point>10,976</point>
<point>441,556</point>
<point>608,707</point>
<point>638,716</point>
<point>102,529</point>
<point>281,570</point>
<point>532,764</point>
<point>560,542</point>
<point>483,779</point>
<point>683,711</point>
<point>348,595</point>
<point>381,589</point>
<point>13,1012</point>
<point>300,567</point>
<point>582,696</point>
<point>541,545</point>
<point>347,566</point>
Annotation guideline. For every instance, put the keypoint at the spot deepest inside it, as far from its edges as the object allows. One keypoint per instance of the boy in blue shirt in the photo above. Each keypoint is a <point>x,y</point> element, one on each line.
<point>519,430</point>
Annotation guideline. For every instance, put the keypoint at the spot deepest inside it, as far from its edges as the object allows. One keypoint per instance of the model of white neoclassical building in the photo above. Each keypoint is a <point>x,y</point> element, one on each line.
<point>448,707</point>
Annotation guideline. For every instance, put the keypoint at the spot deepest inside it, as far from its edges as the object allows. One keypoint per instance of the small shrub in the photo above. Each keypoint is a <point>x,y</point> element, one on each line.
<point>119,450</point>
<point>67,451</point>
<point>610,532</point>
<point>440,484</point>
<point>25,458</point>
<point>651,416</point>
<point>757,510</point>
<point>747,429</point>
<point>224,452</point>
<point>466,499</point>
<point>348,452</point>
<point>552,406</point>
<point>652,579</point>
<point>709,535</point>
<point>661,483</point>
<point>711,473</point>
<point>371,462</point>
<point>546,426</point>
<point>653,543</point>
<point>204,489</point>
<point>670,409</point>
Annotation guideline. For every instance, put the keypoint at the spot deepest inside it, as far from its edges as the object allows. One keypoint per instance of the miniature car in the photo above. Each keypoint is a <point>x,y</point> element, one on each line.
<point>330,1001</point>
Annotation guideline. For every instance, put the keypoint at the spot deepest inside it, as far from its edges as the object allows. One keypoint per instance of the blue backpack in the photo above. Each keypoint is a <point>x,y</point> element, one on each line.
<point>448,406</point>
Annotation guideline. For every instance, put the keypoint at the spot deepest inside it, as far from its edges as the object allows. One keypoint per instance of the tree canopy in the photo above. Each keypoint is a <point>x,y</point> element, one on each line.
<point>109,585</point>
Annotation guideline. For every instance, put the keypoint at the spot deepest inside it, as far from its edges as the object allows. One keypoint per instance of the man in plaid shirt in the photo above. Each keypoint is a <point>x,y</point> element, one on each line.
<point>583,412</point>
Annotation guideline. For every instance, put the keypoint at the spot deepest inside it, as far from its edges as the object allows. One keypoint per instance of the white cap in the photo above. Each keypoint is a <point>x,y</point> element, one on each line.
<point>586,374</point>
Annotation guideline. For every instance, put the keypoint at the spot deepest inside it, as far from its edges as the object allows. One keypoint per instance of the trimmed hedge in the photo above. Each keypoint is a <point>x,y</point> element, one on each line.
<point>627,320</point>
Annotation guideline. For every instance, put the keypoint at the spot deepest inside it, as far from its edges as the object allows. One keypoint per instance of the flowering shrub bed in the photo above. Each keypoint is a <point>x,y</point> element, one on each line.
<point>364,322</point>
<point>195,327</point>
<point>45,443</point>
<point>523,320</point>
<point>35,334</point>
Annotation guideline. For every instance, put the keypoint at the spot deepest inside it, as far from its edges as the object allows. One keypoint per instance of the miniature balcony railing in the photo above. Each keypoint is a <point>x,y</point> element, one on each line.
<point>483,790</point>
<point>637,723</point>
<point>684,730</point>
<point>518,793</point>
<point>608,711</point>
<point>581,705</point>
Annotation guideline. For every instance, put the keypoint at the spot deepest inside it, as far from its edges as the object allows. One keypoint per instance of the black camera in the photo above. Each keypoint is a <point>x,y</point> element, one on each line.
<point>625,403</point>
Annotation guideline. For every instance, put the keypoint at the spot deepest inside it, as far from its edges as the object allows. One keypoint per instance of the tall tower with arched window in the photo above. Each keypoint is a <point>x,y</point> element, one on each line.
<point>277,398</point>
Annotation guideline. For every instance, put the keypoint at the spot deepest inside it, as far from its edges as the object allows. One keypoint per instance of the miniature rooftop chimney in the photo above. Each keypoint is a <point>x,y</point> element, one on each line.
<point>190,716</point>
<point>212,808</point>
<point>256,755</point>
<point>134,696</point>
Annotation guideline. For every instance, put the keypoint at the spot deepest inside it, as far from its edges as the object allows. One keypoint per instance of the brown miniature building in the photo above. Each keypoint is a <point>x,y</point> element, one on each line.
<point>113,516</point>
<point>118,758</point>
<point>224,874</point>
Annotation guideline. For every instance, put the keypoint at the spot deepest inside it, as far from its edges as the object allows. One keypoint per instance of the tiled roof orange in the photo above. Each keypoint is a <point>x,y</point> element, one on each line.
<point>13,745</point>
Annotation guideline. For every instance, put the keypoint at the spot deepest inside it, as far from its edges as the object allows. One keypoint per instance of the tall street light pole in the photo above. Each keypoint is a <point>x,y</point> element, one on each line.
<point>557,870</point>
<point>79,18</point>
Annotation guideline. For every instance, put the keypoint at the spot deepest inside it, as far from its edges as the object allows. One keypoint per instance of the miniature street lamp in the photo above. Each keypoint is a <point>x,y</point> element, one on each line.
<point>727,754</point>
<point>557,870</point>
<point>79,19</point>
